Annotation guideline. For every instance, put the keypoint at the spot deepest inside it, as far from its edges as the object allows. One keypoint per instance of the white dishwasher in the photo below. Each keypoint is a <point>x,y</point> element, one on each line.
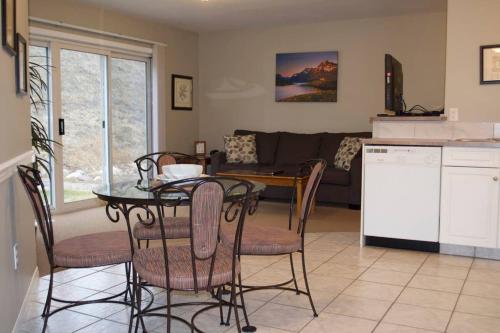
<point>401,196</point>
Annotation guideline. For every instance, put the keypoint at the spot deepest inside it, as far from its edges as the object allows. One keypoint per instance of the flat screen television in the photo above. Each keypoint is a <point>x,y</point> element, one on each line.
<point>393,85</point>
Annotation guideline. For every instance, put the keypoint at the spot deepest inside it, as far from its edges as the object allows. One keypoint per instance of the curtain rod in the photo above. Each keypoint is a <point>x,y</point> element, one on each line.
<point>95,31</point>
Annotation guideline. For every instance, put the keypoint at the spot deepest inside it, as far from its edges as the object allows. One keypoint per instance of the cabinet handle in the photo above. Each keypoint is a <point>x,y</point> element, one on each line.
<point>495,178</point>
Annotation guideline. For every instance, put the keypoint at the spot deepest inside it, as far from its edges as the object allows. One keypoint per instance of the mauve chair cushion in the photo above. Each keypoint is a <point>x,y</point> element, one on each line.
<point>149,263</point>
<point>262,240</point>
<point>330,143</point>
<point>94,250</point>
<point>175,227</point>
<point>267,143</point>
<point>297,148</point>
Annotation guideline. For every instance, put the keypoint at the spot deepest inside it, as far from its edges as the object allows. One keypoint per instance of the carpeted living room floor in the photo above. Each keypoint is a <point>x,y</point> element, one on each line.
<point>324,219</point>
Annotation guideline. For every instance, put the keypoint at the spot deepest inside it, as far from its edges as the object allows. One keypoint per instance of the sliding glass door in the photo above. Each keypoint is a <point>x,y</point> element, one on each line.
<point>101,116</point>
<point>129,115</point>
<point>83,112</point>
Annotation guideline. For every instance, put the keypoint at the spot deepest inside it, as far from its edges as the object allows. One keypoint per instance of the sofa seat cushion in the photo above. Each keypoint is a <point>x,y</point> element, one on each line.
<point>297,148</point>
<point>336,176</point>
<point>267,143</point>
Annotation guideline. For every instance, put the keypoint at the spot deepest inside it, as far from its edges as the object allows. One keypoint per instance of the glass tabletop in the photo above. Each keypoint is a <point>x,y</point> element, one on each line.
<point>138,191</point>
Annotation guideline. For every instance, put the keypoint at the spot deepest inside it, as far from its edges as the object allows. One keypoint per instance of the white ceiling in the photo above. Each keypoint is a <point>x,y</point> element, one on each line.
<point>216,15</point>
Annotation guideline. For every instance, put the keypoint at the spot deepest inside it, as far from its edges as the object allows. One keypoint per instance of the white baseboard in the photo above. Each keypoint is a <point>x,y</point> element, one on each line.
<point>27,299</point>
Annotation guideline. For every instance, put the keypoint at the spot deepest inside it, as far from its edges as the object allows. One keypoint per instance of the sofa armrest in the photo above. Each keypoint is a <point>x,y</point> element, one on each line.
<point>217,159</point>
<point>356,180</point>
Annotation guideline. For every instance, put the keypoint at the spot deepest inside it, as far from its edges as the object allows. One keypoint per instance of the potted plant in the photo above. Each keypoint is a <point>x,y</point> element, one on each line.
<point>40,139</point>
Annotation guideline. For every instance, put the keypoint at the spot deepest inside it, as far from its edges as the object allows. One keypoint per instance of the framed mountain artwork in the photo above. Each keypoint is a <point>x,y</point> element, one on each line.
<point>306,77</point>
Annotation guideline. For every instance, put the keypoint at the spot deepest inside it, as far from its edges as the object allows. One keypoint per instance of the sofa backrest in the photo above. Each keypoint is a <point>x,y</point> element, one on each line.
<point>330,143</point>
<point>284,148</point>
<point>296,148</point>
<point>267,144</point>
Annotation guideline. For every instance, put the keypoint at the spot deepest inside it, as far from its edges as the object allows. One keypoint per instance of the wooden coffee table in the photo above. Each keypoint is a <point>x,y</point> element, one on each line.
<point>271,180</point>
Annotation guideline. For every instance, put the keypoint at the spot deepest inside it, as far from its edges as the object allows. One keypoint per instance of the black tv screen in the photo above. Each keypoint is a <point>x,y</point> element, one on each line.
<point>393,84</point>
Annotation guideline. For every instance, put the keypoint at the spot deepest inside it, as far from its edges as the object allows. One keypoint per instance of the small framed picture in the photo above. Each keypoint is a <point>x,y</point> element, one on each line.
<point>490,64</point>
<point>9,25</point>
<point>21,65</point>
<point>200,148</point>
<point>182,92</point>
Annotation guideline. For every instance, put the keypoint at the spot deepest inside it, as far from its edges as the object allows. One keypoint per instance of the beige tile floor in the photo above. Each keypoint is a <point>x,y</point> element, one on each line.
<point>355,290</point>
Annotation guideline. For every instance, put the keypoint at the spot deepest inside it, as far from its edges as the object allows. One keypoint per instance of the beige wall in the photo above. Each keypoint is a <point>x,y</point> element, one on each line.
<point>470,25</point>
<point>16,219</point>
<point>245,62</point>
<point>179,57</point>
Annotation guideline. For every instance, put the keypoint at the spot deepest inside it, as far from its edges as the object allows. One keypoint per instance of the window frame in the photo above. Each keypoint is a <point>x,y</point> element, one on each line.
<point>55,112</point>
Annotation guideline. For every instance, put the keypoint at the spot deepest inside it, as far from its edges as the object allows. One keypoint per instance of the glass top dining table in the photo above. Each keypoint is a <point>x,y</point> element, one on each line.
<point>139,192</point>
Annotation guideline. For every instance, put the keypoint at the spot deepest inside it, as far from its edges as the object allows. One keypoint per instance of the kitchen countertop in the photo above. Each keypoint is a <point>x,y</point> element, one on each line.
<point>480,143</point>
<point>409,118</point>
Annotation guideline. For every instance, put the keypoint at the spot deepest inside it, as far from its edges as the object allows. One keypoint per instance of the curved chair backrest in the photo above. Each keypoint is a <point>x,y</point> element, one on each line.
<point>153,162</point>
<point>313,168</point>
<point>206,197</point>
<point>35,190</point>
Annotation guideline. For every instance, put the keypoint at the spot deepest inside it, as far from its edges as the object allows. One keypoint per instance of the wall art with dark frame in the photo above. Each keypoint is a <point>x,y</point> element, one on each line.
<point>490,64</point>
<point>9,25</point>
<point>21,65</point>
<point>182,92</point>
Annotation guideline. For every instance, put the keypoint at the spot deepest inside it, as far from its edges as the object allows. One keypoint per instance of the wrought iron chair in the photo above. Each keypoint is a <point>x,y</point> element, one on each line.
<point>175,227</point>
<point>258,240</point>
<point>203,265</point>
<point>93,250</point>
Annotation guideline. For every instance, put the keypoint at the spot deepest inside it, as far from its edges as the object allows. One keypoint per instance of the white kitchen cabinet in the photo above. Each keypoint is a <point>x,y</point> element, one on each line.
<point>469,206</point>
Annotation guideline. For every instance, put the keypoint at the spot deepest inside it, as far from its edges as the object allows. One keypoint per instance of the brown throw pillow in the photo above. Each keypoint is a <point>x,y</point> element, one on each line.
<point>240,149</point>
<point>349,147</point>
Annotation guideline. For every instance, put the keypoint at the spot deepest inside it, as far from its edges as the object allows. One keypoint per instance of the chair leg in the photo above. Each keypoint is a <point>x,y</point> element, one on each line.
<point>234,304</point>
<point>138,243</point>
<point>147,243</point>
<point>139,304</point>
<point>169,312</point>
<point>293,275</point>
<point>248,327</point>
<point>128,292</point>
<point>132,300</point>
<point>221,312</point>
<point>307,284</point>
<point>46,310</point>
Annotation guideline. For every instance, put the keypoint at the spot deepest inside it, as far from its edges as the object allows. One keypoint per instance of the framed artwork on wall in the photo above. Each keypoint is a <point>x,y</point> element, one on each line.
<point>182,92</point>
<point>490,64</point>
<point>9,25</point>
<point>307,77</point>
<point>21,65</point>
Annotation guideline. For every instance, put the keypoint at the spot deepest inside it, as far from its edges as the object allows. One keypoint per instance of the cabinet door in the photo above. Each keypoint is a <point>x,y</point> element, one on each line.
<point>469,206</point>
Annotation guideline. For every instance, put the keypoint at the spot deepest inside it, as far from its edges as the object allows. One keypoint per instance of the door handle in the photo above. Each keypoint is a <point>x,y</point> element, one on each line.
<point>495,178</point>
<point>61,126</point>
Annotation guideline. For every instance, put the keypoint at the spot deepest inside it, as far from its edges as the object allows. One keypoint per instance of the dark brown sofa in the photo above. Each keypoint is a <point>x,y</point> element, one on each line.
<point>285,151</point>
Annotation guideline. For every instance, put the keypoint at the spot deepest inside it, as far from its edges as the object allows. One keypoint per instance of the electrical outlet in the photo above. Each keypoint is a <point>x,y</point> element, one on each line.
<point>15,250</point>
<point>453,114</point>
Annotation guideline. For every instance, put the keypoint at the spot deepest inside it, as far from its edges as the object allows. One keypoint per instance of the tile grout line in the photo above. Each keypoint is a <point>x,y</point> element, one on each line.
<point>296,307</point>
<point>459,294</point>
<point>402,290</point>
<point>340,293</point>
